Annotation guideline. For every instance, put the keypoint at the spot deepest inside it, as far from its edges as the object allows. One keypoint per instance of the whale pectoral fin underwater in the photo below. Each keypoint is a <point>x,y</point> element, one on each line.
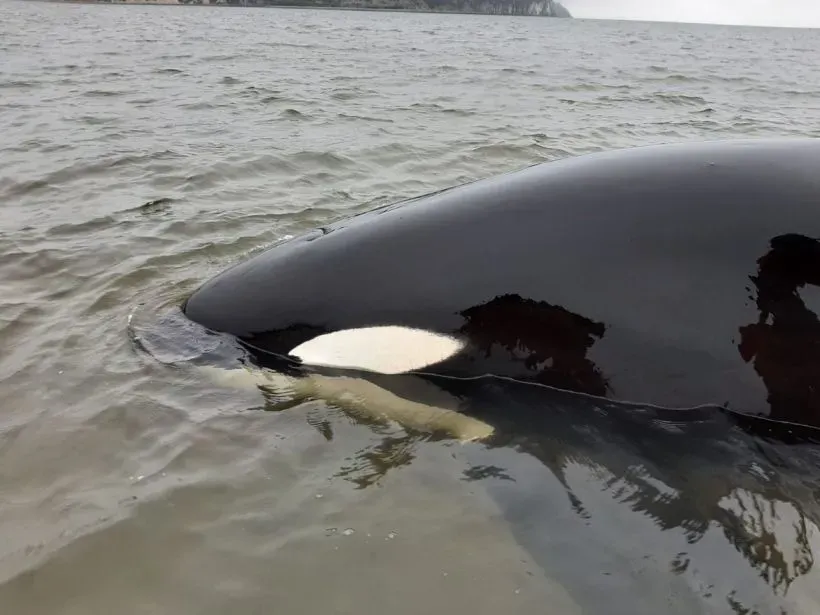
<point>360,397</point>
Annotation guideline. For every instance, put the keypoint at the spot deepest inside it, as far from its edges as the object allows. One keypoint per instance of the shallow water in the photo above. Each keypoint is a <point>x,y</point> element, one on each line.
<point>146,148</point>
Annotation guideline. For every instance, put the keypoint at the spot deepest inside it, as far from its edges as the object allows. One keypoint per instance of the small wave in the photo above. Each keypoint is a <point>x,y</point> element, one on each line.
<point>736,79</point>
<point>176,56</point>
<point>18,85</point>
<point>119,219</point>
<point>122,288</point>
<point>784,92</point>
<point>19,316</point>
<point>366,118</point>
<point>591,87</point>
<point>293,114</point>
<point>266,165</point>
<point>202,105</point>
<point>230,223</point>
<point>143,101</point>
<point>426,107</point>
<point>541,141</point>
<point>681,99</point>
<point>253,90</point>
<point>506,151</point>
<point>335,198</point>
<point>345,94</point>
<point>220,58</point>
<point>97,120</point>
<point>324,159</point>
<point>222,250</point>
<point>230,80</point>
<point>155,206</point>
<point>517,71</point>
<point>50,148</point>
<point>25,146</point>
<point>394,153</point>
<point>458,112</point>
<point>76,172</point>
<point>83,228</point>
<point>677,78</point>
<point>103,93</point>
<point>704,125</point>
<point>295,45</point>
<point>19,265</point>
<point>168,71</point>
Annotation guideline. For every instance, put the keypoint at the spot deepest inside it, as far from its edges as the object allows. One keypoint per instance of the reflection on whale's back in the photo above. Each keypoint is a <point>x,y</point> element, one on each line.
<point>784,343</point>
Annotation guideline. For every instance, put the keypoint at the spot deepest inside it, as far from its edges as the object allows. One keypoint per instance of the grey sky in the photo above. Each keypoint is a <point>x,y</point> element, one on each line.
<point>750,12</point>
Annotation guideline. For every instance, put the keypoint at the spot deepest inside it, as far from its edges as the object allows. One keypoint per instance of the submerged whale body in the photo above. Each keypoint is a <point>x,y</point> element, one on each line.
<point>672,275</point>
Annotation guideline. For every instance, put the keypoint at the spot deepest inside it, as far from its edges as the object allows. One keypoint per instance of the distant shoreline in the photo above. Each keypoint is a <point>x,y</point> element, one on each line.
<point>326,7</point>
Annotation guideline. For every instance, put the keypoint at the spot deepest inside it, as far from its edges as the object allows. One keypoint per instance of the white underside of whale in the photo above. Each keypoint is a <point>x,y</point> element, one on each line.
<point>384,349</point>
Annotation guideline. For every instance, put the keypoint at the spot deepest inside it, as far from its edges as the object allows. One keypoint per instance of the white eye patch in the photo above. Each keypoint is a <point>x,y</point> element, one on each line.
<point>384,349</point>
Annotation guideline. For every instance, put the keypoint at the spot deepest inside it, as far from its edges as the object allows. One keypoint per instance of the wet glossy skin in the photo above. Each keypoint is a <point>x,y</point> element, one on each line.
<point>673,275</point>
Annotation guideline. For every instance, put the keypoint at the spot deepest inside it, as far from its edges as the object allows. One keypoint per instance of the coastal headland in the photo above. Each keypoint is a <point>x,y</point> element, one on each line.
<point>534,8</point>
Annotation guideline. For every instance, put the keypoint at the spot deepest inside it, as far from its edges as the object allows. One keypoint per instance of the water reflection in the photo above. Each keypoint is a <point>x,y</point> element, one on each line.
<point>754,521</point>
<point>693,474</point>
<point>371,464</point>
<point>693,471</point>
<point>394,448</point>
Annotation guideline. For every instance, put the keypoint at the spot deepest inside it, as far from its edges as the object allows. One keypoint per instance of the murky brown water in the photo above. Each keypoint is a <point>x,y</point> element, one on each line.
<point>145,148</point>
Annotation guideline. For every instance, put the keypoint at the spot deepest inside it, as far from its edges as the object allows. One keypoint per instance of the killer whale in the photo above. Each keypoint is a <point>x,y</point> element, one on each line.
<point>674,275</point>
<point>724,316</point>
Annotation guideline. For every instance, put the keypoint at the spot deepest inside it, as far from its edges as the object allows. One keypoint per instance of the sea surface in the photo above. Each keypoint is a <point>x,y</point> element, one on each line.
<point>144,149</point>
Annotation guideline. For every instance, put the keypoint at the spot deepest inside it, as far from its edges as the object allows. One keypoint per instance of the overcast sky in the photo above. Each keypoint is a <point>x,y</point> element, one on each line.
<point>748,12</point>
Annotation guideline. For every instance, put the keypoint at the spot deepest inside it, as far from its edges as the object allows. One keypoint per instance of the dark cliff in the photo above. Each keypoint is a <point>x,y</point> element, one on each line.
<point>544,8</point>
